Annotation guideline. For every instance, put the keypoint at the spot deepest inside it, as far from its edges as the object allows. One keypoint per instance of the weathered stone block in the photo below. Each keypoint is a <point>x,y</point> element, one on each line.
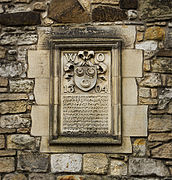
<point>139,147</point>
<point>38,64</point>
<point>155,33</point>
<point>169,38</point>
<point>40,6</point>
<point>66,163</point>
<point>144,92</point>
<point>11,69</point>
<point>15,177</point>
<point>2,52</point>
<point>128,4</point>
<point>153,9</point>
<point>71,177</point>
<point>20,141</point>
<point>162,65</point>
<point>118,168</point>
<point>147,45</point>
<point>151,80</point>
<point>39,176</point>
<point>108,14</point>
<point>6,97</point>
<point>164,98</point>
<point>4,89</point>
<point>23,85</point>
<point>147,101</point>
<point>32,162</point>
<point>15,121</point>
<point>3,81</point>
<point>13,107</point>
<point>7,164</point>
<point>7,153</point>
<point>143,167</point>
<point>163,151</point>
<point>132,63</point>
<point>20,18</point>
<point>5,130</point>
<point>68,11</point>
<point>22,1</point>
<point>2,142</point>
<point>139,36</point>
<point>160,137</point>
<point>160,123</point>
<point>95,163</point>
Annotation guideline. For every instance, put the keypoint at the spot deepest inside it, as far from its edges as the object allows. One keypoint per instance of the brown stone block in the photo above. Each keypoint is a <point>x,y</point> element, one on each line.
<point>7,164</point>
<point>2,141</point>
<point>165,53</point>
<point>20,18</point>
<point>70,177</point>
<point>108,14</point>
<point>160,137</point>
<point>128,4</point>
<point>68,11</point>
<point>15,177</point>
<point>7,153</point>
<point>155,33</point>
<point>3,81</point>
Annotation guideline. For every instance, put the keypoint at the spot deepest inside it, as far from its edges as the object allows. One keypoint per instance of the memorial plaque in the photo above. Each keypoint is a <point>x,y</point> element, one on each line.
<point>88,92</point>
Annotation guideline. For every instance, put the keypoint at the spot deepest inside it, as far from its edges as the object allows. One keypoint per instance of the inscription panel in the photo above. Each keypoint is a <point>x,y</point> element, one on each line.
<point>85,93</point>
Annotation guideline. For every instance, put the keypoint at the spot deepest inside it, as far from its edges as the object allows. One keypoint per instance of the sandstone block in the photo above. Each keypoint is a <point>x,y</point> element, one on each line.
<point>20,141</point>
<point>160,123</point>
<point>128,4</point>
<point>118,168</point>
<point>23,85</point>
<point>71,177</point>
<point>5,130</point>
<point>38,64</point>
<point>13,107</point>
<point>144,167</point>
<point>15,121</point>
<point>147,45</point>
<point>144,92</point>
<point>132,63</point>
<point>139,147</point>
<point>2,142</point>
<point>20,18</point>
<point>139,36</point>
<point>7,164</point>
<point>7,153</point>
<point>95,163</point>
<point>155,33</point>
<point>6,97</point>
<point>41,176</point>
<point>11,69</point>
<point>40,6</point>
<point>147,101</point>
<point>68,11</point>
<point>2,52</point>
<point>15,177</point>
<point>163,151</point>
<point>4,89</point>
<point>3,81</point>
<point>108,14</point>
<point>22,1</point>
<point>32,162</point>
<point>134,120</point>
<point>160,137</point>
<point>66,163</point>
<point>40,121</point>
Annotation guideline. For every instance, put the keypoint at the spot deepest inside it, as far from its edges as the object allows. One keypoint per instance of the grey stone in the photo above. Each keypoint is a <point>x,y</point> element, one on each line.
<point>162,65</point>
<point>144,92</point>
<point>7,164</point>
<point>132,14</point>
<point>23,85</point>
<point>20,141</point>
<point>39,176</point>
<point>118,168</point>
<point>32,162</point>
<point>20,18</point>
<point>163,151</point>
<point>11,69</point>
<point>95,163</point>
<point>2,141</point>
<point>151,80</point>
<point>165,97</point>
<point>13,107</point>
<point>20,38</point>
<point>139,148</point>
<point>160,123</point>
<point>147,45</point>
<point>15,121</point>
<point>155,10</point>
<point>15,177</point>
<point>66,163</point>
<point>144,167</point>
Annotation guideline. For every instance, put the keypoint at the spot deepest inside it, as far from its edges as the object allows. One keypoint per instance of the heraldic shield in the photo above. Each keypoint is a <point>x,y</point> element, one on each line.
<point>85,77</point>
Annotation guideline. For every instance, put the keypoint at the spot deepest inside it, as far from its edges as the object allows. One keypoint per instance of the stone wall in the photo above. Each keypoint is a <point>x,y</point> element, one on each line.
<point>25,27</point>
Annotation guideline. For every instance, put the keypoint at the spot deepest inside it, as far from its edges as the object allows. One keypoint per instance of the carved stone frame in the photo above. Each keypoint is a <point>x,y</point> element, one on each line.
<point>57,45</point>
